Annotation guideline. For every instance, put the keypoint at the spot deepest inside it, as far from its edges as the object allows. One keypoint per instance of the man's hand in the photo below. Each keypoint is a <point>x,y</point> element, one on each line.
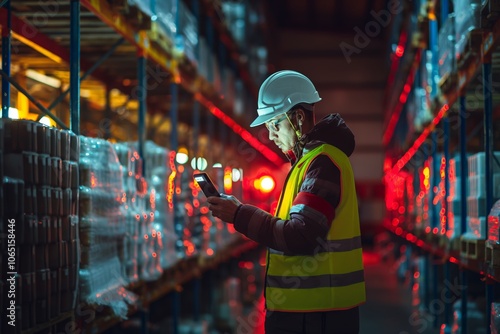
<point>223,207</point>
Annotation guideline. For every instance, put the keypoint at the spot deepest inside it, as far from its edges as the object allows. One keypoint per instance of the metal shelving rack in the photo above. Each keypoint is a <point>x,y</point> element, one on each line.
<point>439,249</point>
<point>181,76</point>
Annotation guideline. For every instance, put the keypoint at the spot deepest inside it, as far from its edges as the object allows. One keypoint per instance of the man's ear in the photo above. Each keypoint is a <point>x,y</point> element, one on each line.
<point>300,116</point>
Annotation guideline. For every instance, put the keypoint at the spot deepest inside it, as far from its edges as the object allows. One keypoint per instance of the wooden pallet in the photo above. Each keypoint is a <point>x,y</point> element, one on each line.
<point>473,249</point>
<point>472,48</point>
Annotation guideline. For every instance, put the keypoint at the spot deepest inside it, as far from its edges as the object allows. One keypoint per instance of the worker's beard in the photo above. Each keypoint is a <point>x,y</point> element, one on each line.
<point>295,152</point>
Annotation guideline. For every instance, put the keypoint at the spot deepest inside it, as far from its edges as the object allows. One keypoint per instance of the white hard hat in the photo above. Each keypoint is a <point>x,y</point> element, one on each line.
<point>280,92</point>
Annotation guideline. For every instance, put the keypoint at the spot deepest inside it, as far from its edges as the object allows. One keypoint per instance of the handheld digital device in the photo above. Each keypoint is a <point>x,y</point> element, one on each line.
<point>206,184</point>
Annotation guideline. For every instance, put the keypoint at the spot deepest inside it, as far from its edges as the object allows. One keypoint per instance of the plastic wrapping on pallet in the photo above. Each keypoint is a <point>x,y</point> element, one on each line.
<point>234,13</point>
<point>187,40</point>
<point>454,199</point>
<point>495,318</point>
<point>165,12</point>
<point>446,47</point>
<point>102,226</point>
<point>477,211</point>
<point>423,95</point>
<point>468,16</point>
<point>158,173</point>
<point>143,244</point>
<point>494,224</point>
<point>187,227</point>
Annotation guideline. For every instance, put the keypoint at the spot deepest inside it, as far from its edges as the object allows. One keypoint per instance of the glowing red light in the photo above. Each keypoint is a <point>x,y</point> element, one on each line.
<point>400,50</point>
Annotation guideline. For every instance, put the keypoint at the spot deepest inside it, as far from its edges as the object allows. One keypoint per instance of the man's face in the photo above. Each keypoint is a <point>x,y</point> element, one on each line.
<point>281,132</point>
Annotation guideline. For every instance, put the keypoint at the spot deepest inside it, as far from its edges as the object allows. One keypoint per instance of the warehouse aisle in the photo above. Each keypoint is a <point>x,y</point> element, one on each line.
<point>388,309</point>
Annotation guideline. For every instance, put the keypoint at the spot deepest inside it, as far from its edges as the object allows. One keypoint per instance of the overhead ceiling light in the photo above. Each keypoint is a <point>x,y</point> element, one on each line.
<point>13,113</point>
<point>37,76</point>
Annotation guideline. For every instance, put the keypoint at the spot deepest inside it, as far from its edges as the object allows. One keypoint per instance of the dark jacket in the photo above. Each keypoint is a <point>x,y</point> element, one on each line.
<point>300,233</point>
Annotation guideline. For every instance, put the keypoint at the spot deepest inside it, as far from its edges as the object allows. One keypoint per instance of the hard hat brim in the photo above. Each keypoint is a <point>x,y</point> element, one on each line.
<point>264,118</point>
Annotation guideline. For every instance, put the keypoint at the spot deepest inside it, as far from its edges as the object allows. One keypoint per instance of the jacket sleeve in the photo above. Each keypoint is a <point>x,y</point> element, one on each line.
<point>310,216</point>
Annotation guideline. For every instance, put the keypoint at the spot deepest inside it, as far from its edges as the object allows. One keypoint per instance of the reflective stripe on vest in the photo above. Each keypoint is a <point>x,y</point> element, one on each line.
<point>332,277</point>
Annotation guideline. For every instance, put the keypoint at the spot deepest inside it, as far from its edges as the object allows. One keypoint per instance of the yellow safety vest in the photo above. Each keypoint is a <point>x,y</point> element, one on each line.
<point>333,278</point>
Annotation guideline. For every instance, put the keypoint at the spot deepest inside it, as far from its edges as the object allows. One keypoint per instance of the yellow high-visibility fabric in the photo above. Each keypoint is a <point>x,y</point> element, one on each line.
<point>336,273</point>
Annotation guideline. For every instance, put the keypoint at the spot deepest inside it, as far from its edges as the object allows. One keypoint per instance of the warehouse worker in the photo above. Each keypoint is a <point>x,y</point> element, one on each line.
<point>314,276</point>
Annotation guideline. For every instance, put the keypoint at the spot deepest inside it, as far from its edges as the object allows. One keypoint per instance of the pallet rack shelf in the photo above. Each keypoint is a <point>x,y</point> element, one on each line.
<point>135,47</point>
<point>473,73</point>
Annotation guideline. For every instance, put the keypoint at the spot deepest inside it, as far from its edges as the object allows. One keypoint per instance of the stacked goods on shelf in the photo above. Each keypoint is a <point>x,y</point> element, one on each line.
<point>454,203</point>
<point>439,198</point>
<point>103,227</point>
<point>476,203</point>
<point>493,242</point>
<point>226,233</point>
<point>157,172</point>
<point>163,27</point>
<point>133,218</point>
<point>446,54</point>
<point>395,198</point>
<point>427,205</point>
<point>188,229</point>
<point>187,40</point>
<point>40,195</point>
<point>421,200</point>
<point>409,202</point>
<point>467,35</point>
<point>141,249</point>
<point>424,94</point>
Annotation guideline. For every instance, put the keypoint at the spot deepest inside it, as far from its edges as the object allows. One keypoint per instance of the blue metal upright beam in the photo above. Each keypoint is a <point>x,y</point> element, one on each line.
<point>463,205</point>
<point>488,153</point>
<point>141,97</point>
<point>74,79</point>
<point>433,216</point>
<point>433,44</point>
<point>6,49</point>
<point>434,183</point>
<point>61,97</point>
<point>22,90</point>
<point>174,116</point>
<point>445,9</point>
<point>196,105</point>
<point>448,307</point>
<point>210,77</point>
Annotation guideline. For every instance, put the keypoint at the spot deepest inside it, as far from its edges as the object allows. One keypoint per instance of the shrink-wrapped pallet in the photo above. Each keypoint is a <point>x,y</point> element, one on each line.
<point>102,227</point>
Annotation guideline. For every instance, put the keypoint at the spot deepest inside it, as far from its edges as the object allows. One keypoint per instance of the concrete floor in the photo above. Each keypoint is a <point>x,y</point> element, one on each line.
<point>389,309</point>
